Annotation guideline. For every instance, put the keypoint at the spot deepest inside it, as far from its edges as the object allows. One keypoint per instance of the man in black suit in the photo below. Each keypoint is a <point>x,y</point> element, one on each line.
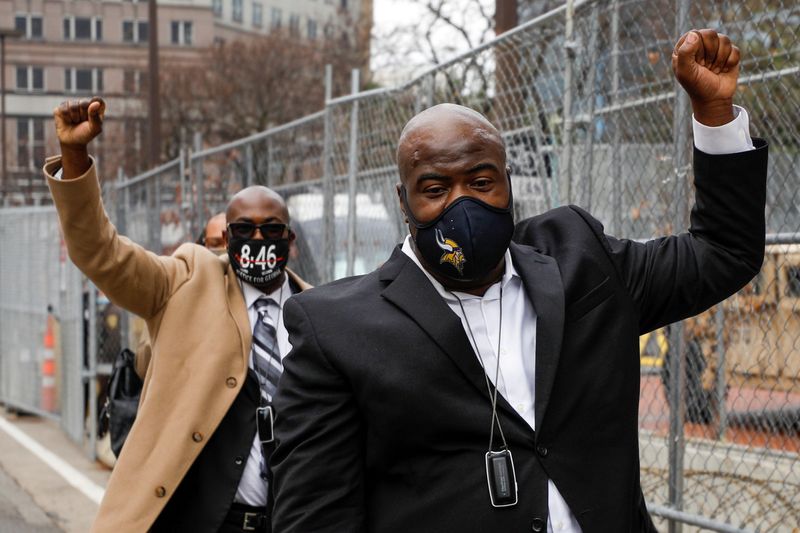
<point>386,402</point>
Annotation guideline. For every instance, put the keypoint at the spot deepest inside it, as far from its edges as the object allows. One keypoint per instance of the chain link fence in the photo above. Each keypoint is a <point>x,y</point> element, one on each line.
<point>41,320</point>
<point>587,104</point>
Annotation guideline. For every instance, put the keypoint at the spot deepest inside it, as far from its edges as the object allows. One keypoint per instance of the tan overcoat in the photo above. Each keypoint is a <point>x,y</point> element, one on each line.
<point>200,333</point>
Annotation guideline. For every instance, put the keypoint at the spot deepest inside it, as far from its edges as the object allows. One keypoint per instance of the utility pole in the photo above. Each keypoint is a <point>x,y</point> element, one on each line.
<point>11,34</point>
<point>153,101</point>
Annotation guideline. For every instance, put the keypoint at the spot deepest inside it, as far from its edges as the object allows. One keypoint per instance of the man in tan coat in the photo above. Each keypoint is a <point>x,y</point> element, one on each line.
<point>195,458</point>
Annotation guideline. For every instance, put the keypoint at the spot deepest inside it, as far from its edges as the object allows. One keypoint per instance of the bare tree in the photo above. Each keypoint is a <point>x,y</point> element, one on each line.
<point>445,28</point>
<point>247,86</point>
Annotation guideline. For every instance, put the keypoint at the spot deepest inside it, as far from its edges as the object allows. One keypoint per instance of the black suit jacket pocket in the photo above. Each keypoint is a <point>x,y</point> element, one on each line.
<point>583,305</point>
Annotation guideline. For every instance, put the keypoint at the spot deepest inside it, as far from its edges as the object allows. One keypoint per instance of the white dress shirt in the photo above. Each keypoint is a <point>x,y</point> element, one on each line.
<point>517,374</point>
<point>252,489</point>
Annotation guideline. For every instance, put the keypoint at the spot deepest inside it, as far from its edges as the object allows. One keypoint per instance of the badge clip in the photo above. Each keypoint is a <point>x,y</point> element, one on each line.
<point>502,478</point>
<point>265,424</point>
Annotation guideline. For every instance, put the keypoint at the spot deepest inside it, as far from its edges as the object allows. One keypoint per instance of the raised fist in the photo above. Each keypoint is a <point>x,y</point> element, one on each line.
<point>79,121</point>
<point>706,64</point>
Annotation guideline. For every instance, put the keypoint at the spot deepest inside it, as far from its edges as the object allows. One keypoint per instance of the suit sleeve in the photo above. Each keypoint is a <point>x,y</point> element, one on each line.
<point>675,277</point>
<point>318,463</point>
<point>130,276</point>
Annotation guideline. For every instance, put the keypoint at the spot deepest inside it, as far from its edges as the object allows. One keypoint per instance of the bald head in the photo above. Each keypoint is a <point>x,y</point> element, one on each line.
<point>257,204</point>
<point>445,132</point>
<point>213,232</point>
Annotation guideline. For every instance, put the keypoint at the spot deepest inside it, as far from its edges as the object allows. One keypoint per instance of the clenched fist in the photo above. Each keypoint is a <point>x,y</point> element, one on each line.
<point>79,121</point>
<point>706,64</point>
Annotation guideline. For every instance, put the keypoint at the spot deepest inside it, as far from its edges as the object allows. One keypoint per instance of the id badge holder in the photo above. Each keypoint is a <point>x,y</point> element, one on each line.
<point>265,424</point>
<point>502,478</point>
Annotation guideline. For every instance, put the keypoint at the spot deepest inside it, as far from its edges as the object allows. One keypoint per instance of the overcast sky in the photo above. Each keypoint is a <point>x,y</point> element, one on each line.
<point>393,14</point>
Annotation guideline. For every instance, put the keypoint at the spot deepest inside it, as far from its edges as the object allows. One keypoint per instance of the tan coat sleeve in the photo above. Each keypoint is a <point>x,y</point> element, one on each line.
<point>132,277</point>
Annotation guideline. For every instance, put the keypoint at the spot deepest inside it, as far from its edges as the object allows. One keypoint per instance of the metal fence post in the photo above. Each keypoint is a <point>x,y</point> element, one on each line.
<point>352,177</point>
<point>123,202</point>
<point>565,161</point>
<point>721,384</point>
<point>91,373</point>
<point>199,178</point>
<point>248,161</point>
<point>588,97</point>
<point>616,168</point>
<point>186,200</point>
<point>157,242</point>
<point>677,342</point>
<point>328,185</point>
<point>268,174</point>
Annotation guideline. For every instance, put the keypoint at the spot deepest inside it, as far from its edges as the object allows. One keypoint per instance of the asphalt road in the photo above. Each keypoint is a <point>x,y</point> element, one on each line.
<point>18,512</point>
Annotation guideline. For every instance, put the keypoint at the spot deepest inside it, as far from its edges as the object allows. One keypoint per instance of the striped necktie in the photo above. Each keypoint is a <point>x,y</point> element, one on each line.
<point>266,356</point>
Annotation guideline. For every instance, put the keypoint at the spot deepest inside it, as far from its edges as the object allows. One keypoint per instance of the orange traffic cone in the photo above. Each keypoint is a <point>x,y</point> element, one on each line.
<point>49,368</point>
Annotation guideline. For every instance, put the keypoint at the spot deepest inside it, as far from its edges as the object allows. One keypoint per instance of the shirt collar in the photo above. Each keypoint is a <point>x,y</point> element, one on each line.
<point>510,275</point>
<point>251,294</point>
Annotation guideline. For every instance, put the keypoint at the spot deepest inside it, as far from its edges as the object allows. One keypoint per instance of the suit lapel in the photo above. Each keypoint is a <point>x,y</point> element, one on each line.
<point>542,281</point>
<point>412,292</point>
<point>238,310</point>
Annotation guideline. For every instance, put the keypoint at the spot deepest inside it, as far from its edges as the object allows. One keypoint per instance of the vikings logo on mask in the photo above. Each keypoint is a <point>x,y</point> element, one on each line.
<point>452,253</point>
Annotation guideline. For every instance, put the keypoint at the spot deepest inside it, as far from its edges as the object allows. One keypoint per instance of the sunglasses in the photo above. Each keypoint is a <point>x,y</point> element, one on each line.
<point>246,230</point>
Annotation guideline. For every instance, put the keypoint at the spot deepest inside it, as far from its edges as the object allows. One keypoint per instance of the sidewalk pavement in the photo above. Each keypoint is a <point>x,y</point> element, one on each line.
<point>35,497</point>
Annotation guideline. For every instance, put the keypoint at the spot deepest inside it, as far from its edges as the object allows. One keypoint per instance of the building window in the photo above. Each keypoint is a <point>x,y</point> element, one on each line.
<point>237,10</point>
<point>30,78</point>
<point>83,28</point>
<point>294,25</point>
<point>83,80</point>
<point>181,32</point>
<point>134,81</point>
<point>30,142</point>
<point>216,7</point>
<point>129,82</point>
<point>29,25</point>
<point>258,15</point>
<point>134,31</point>
<point>312,29</point>
<point>277,14</point>
<point>344,4</point>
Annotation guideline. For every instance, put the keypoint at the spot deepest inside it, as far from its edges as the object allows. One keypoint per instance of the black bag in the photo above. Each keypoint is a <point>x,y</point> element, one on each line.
<point>122,401</point>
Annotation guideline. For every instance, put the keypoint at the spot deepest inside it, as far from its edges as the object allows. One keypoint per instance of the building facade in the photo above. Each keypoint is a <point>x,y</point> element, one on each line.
<point>72,49</point>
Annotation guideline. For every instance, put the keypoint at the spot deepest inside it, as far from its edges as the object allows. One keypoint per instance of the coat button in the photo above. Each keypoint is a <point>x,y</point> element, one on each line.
<point>161,492</point>
<point>238,461</point>
<point>541,450</point>
<point>231,382</point>
<point>537,524</point>
<point>197,437</point>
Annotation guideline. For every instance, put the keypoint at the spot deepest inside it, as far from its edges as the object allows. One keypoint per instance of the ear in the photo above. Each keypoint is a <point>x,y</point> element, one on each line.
<point>399,190</point>
<point>292,236</point>
<point>225,237</point>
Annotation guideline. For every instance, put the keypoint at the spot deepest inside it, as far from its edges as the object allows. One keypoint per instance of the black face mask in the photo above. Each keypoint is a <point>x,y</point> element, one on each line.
<point>258,261</point>
<point>467,240</point>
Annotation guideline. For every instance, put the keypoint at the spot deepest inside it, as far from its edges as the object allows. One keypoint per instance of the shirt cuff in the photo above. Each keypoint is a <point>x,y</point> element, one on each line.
<point>729,138</point>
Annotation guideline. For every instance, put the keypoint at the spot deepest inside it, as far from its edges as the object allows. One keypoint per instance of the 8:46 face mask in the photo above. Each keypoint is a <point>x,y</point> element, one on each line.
<point>258,261</point>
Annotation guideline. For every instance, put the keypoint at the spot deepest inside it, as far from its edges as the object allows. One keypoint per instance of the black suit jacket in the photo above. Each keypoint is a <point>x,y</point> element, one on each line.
<point>383,416</point>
